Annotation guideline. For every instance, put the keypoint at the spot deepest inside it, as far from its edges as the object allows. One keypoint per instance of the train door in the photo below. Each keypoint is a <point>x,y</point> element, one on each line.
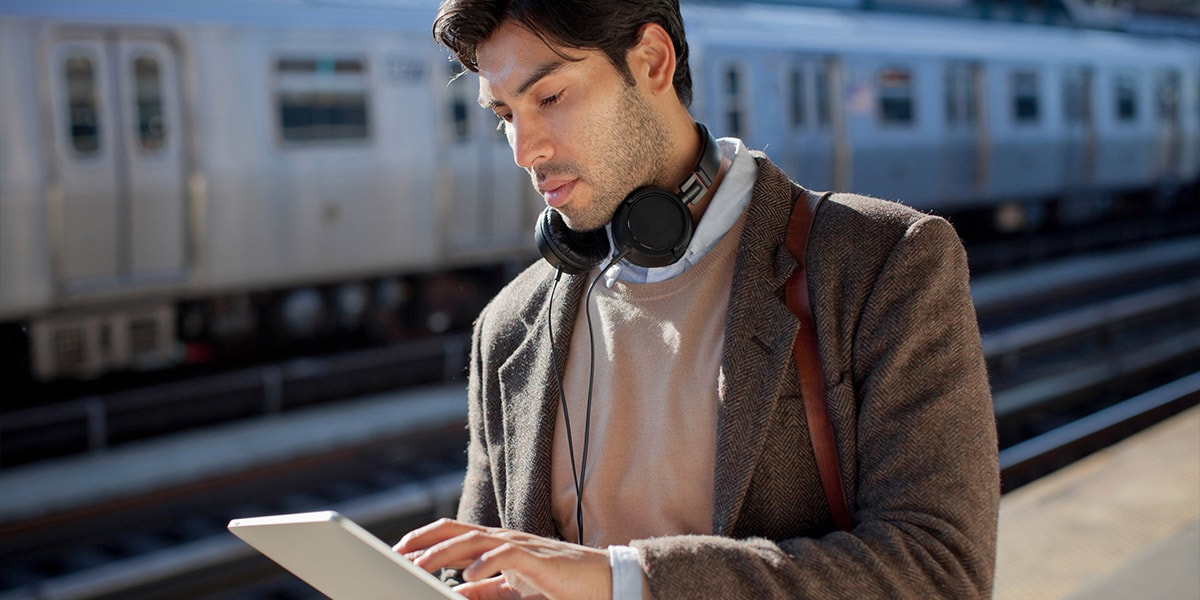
<point>810,98</point>
<point>964,159</point>
<point>1079,130</point>
<point>118,189</point>
<point>482,188</point>
<point>1169,136</point>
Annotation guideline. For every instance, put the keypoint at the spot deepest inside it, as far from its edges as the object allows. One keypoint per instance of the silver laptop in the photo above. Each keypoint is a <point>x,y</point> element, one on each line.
<point>338,557</point>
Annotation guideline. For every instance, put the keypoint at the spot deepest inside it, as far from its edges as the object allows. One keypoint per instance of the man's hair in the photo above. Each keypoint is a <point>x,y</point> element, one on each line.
<point>610,26</point>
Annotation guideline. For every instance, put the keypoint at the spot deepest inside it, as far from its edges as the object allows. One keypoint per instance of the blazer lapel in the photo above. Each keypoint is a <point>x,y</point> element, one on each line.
<point>530,397</point>
<point>759,332</point>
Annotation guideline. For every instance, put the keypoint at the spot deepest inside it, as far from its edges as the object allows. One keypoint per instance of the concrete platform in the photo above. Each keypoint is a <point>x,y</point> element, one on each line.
<point>1122,523</point>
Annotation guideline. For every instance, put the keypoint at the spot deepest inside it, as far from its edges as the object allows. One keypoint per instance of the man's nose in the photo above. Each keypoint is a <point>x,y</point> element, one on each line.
<point>529,140</point>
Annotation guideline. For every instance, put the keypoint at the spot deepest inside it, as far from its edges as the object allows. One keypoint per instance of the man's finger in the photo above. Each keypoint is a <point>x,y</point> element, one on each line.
<point>492,588</point>
<point>438,531</point>
<point>461,551</point>
<point>493,561</point>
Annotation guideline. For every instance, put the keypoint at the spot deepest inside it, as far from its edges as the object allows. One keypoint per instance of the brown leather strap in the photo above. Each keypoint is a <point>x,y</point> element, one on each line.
<point>808,361</point>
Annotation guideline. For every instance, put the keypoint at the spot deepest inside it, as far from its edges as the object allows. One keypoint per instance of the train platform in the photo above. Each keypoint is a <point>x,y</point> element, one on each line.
<point>71,483</point>
<point>1122,523</point>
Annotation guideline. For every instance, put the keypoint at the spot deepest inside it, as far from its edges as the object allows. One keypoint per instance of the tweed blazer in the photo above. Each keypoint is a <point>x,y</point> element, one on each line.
<point>908,398</point>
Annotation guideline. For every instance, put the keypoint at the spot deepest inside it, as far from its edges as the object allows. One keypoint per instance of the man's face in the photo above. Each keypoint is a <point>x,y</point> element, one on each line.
<point>586,137</point>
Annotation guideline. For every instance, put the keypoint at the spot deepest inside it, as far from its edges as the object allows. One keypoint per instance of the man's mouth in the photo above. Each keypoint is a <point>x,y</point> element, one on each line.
<point>556,191</point>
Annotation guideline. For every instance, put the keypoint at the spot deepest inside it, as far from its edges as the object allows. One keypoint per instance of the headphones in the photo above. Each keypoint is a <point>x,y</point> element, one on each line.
<point>652,227</point>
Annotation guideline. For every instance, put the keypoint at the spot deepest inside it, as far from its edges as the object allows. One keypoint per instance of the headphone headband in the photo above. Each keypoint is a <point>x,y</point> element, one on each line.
<point>702,176</point>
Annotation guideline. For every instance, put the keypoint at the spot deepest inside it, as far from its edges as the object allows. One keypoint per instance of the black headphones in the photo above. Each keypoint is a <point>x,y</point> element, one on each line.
<point>652,227</point>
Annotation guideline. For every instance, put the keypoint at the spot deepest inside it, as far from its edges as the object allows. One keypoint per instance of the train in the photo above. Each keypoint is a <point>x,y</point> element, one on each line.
<point>181,181</point>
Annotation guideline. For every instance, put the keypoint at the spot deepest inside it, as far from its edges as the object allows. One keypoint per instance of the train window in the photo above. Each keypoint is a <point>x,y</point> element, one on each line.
<point>1025,96</point>
<point>895,96</point>
<point>1126,97</point>
<point>322,99</point>
<point>147,87</point>
<point>81,104</point>
<point>733,102</point>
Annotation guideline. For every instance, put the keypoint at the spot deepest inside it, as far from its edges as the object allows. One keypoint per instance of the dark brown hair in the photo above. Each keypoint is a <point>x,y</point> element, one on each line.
<point>610,26</point>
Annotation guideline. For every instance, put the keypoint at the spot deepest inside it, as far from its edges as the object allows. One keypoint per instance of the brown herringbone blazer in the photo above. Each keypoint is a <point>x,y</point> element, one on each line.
<point>907,391</point>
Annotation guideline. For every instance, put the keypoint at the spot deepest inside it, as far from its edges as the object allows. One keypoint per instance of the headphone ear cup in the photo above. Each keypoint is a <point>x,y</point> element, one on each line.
<point>653,226</point>
<point>573,252</point>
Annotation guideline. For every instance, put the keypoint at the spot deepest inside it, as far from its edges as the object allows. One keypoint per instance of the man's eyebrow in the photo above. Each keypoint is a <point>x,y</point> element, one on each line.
<point>537,75</point>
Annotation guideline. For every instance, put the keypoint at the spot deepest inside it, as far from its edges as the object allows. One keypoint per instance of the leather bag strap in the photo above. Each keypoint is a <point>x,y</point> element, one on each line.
<point>808,361</point>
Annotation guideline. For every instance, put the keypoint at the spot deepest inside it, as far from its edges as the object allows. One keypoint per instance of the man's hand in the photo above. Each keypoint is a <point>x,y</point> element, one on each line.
<point>501,563</point>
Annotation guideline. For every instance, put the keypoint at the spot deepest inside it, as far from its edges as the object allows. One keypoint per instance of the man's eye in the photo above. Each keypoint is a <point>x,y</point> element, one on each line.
<point>550,100</point>
<point>503,118</point>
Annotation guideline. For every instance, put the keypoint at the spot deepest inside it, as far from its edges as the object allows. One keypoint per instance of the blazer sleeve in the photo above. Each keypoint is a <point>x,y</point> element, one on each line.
<point>924,443</point>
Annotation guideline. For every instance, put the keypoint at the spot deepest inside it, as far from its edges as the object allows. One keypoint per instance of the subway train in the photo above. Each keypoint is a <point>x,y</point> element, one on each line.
<point>180,180</point>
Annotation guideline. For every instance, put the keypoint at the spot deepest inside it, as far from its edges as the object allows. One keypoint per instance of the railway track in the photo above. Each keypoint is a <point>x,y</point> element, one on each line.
<point>1081,353</point>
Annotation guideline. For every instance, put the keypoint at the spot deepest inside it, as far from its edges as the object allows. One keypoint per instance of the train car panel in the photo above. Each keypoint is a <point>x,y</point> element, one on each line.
<point>1079,133</point>
<point>320,188</point>
<point>117,186</point>
<point>1125,151</point>
<point>486,204</point>
<point>25,285</point>
<point>963,170</point>
<point>24,256</point>
<point>88,203</point>
<point>893,124</point>
<point>793,113</point>
<point>1023,164</point>
<point>154,141</point>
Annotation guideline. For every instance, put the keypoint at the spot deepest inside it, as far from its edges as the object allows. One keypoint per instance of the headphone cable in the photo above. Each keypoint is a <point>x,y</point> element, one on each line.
<point>578,475</point>
<point>562,397</point>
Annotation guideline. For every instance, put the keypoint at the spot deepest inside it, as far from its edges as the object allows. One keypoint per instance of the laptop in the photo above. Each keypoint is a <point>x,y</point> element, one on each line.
<point>338,557</point>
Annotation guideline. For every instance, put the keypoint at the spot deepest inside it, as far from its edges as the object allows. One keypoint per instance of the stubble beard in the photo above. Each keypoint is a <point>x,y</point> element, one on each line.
<point>633,146</point>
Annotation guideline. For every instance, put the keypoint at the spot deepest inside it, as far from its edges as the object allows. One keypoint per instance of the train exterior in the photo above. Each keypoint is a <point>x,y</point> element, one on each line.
<point>181,176</point>
<point>167,168</point>
<point>949,115</point>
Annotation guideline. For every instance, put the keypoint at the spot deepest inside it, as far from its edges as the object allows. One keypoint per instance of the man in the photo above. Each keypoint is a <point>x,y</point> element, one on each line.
<point>701,480</point>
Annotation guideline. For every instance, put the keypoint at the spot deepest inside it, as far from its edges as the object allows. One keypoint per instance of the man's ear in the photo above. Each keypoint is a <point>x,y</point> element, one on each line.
<point>652,59</point>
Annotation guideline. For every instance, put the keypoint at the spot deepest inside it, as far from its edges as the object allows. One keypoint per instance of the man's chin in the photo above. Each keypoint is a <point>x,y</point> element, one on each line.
<point>583,223</point>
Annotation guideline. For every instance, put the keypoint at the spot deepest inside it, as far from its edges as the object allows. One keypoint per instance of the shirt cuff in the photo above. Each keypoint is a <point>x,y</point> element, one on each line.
<point>626,566</point>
